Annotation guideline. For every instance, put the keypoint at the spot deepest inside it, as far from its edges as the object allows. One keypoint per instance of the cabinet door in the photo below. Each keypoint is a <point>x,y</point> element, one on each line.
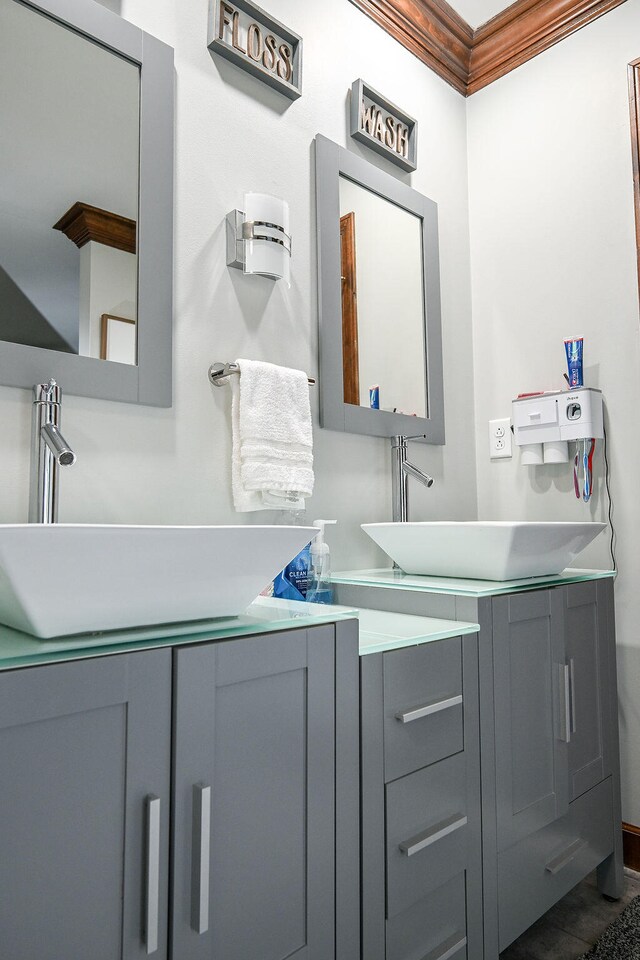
<point>84,794</point>
<point>530,712</point>
<point>587,663</point>
<point>254,839</point>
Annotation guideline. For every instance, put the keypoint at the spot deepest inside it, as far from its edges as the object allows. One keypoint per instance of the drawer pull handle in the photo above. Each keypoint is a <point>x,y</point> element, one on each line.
<point>200,858</point>
<point>563,859</point>
<point>448,949</point>
<point>433,834</point>
<point>434,706</point>
<point>152,864</point>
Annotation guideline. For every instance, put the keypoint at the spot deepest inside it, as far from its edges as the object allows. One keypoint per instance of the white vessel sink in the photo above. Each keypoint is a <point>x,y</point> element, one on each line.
<point>62,579</point>
<point>483,550</point>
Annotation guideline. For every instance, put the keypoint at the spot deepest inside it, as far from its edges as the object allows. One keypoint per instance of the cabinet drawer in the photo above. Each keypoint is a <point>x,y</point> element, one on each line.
<point>539,870</point>
<point>422,706</point>
<point>433,928</point>
<point>427,831</point>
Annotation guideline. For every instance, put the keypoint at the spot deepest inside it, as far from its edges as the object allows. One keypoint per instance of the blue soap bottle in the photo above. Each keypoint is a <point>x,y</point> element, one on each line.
<point>320,589</point>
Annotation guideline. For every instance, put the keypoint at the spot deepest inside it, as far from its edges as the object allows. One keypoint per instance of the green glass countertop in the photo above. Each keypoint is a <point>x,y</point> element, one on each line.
<point>381,631</point>
<point>265,615</point>
<point>390,579</point>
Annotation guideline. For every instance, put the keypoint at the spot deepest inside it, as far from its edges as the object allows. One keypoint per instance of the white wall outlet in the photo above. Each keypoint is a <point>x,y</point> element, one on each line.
<point>500,439</point>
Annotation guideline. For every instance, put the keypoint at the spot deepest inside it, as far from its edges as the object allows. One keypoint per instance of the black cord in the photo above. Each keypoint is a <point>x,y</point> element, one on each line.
<point>610,513</point>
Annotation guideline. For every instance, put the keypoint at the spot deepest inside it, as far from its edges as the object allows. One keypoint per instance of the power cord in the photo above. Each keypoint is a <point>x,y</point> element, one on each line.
<point>608,488</point>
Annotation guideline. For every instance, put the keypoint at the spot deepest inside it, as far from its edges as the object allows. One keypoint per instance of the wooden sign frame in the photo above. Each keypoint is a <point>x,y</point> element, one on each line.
<point>245,34</point>
<point>398,140</point>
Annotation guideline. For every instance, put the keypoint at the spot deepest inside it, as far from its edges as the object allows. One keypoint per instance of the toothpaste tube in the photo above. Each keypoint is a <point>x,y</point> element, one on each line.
<point>573,349</point>
<point>374,397</point>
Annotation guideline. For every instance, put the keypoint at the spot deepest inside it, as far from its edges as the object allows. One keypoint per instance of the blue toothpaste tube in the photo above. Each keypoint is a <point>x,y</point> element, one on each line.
<point>573,349</point>
<point>374,397</point>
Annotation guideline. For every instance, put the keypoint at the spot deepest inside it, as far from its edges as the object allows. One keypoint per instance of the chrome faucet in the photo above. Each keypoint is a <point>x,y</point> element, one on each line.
<point>401,470</point>
<point>49,450</point>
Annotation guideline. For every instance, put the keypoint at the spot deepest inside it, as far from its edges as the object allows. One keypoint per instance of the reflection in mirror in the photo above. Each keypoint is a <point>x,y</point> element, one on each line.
<point>383,323</point>
<point>69,159</point>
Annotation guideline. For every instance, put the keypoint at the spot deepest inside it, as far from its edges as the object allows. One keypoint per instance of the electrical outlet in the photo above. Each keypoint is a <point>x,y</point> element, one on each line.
<point>500,439</point>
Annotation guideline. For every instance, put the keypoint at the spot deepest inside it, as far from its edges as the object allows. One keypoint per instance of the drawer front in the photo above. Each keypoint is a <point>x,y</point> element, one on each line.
<point>427,831</point>
<point>433,928</point>
<point>422,706</point>
<point>542,868</point>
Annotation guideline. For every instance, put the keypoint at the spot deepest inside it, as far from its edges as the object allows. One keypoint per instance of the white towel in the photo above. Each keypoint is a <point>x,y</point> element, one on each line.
<point>272,455</point>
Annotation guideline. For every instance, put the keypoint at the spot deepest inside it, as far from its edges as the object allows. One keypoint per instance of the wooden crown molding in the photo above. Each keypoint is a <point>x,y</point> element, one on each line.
<point>83,222</point>
<point>471,59</point>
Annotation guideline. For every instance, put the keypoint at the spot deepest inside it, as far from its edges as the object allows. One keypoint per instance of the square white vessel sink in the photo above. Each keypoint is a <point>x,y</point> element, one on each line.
<point>59,579</point>
<point>483,550</point>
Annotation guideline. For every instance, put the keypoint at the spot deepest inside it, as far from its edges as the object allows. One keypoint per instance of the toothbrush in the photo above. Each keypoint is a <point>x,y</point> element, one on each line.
<point>576,485</point>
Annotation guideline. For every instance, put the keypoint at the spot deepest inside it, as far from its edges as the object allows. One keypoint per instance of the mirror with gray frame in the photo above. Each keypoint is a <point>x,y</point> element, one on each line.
<point>379,300</point>
<point>86,176</point>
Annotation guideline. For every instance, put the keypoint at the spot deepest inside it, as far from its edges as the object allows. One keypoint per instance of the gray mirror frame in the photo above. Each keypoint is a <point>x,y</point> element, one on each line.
<point>150,381</point>
<point>333,161</point>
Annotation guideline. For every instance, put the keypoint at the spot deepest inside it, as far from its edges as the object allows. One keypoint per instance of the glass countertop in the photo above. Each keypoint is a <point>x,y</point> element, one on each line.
<point>393,578</point>
<point>381,631</point>
<point>264,615</point>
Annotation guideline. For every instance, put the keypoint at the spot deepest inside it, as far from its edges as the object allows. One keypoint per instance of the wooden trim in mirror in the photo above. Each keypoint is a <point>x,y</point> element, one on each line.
<point>471,59</point>
<point>82,223</point>
<point>350,362</point>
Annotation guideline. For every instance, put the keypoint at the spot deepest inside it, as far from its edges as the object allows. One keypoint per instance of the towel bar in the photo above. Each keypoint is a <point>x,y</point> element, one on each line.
<point>219,374</point>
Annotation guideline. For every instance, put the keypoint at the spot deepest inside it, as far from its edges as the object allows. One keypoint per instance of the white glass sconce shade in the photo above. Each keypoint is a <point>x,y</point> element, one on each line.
<point>258,239</point>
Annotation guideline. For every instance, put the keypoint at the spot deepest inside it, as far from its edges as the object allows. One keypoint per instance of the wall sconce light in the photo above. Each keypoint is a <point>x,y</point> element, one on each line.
<point>258,238</point>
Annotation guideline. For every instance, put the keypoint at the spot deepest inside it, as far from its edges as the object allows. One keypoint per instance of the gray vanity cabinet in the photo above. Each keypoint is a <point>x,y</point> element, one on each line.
<point>84,808</point>
<point>421,844</point>
<point>258,798</point>
<point>550,777</point>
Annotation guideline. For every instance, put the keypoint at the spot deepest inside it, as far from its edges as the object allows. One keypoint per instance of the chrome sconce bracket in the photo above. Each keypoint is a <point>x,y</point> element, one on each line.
<point>256,243</point>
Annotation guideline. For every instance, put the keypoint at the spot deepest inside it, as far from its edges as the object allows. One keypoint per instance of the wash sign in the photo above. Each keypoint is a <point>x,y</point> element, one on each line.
<point>247,36</point>
<point>382,126</point>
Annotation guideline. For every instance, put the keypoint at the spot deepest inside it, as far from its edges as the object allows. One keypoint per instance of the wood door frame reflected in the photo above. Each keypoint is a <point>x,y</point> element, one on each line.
<point>350,353</point>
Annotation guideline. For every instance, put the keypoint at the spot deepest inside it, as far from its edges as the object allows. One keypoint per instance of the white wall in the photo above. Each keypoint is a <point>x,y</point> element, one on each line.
<point>553,256</point>
<point>234,134</point>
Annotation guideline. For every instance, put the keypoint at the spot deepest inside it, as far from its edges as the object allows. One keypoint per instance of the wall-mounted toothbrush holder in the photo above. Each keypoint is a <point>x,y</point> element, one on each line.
<point>554,418</point>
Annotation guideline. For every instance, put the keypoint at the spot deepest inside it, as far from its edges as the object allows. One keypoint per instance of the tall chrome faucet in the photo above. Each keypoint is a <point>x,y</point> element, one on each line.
<point>49,450</point>
<point>401,470</point>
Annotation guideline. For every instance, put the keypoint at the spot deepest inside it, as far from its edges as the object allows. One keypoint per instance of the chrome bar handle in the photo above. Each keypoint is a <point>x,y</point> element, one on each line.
<point>565,705</point>
<point>564,859</point>
<point>433,834</point>
<point>200,858</point>
<point>152,865</point>
<point>434,706</point>
<point>572,694</point>
<point>449,949</point>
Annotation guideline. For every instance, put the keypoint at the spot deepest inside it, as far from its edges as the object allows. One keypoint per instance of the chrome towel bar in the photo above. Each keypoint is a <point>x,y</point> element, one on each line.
<point>219,374</point>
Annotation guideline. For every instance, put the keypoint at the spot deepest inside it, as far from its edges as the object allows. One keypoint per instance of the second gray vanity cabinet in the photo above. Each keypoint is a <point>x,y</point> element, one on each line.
<point>84,808</point>
<point>420,803</point>
<point>255,787</point>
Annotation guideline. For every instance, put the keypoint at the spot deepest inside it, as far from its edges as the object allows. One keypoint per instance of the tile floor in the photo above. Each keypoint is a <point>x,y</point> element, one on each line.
<point>575,923</point>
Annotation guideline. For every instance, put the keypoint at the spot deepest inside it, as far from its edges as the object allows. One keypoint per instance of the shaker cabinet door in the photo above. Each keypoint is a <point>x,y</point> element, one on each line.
<point>254,799</point>
<point>531,712</point>
<point>84,819</point>
<point>587,662</point>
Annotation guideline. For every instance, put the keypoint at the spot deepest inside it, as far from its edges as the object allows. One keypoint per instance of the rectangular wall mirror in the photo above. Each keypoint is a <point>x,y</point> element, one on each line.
<point>379,300</point>
<point>86,176</point>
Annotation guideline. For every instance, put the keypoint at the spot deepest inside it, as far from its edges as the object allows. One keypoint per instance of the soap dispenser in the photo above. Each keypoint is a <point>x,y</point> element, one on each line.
<point>320,589</point>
